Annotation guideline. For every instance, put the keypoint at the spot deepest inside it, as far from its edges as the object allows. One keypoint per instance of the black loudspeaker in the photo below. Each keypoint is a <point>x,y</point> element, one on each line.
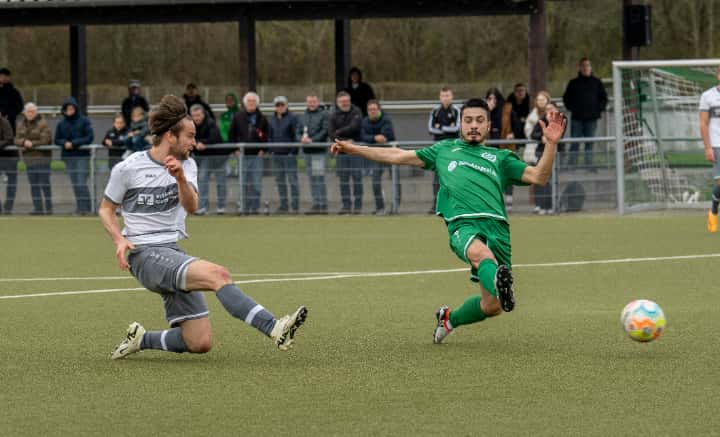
<point>638,25</point>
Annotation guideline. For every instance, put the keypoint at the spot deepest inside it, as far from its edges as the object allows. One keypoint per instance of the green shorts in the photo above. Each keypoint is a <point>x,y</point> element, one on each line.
<point>495,234</point>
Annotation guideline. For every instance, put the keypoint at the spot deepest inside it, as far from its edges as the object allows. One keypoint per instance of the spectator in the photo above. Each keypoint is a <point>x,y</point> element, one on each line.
<point>510,128</point>
<point>138,136</point>
<point>115,140</point>
<point>345,124</point>
<point>585,98</point>
<point>250,126</point>
<point>377,129</point>
<point>132,101</point>
<point>360,92</point>
<point>312,127</point>
<point>520,101</point>
<point>443,124</point>
<point>32,132</point>
<point>283,127</point>
<point>8,164</point>
<point>495,102</point>
<point>543,193</point>
<point>231,103</point>
<point>11,102</point>
<point>210,160</point>
<point>538,112</point>
<point>72,133</point>
<point>192,97</point>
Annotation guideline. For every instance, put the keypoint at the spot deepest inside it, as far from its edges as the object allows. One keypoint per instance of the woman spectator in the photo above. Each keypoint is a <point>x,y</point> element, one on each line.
<point>538,112</point>
<point>543,193</point>
<point>495,101</point>
<point>33,131</point>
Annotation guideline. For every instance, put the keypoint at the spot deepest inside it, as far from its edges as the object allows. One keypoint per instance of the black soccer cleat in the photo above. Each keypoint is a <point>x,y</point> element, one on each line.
<point>504,288</point>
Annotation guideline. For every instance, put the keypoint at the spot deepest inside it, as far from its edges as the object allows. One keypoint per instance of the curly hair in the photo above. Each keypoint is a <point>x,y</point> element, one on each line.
<point>168,116</point>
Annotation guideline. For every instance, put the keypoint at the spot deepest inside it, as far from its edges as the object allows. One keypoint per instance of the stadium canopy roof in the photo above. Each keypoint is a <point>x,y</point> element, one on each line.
<point>79,13</point>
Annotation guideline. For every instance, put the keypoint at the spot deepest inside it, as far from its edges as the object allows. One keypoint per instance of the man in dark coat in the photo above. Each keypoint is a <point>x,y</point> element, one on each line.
<point>11,102</point>
<point>72,134</point>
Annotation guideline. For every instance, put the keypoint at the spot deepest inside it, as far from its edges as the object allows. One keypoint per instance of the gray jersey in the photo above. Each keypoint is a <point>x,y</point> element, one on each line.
<point>710,102</point>
<point>149,198</point>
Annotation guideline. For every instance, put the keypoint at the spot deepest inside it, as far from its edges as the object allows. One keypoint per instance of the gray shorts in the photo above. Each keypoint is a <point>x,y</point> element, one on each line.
<point>162,269</point>
<point>716,164</point>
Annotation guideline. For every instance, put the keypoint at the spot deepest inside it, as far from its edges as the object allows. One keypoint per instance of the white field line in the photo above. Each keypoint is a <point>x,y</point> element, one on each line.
<point>129,277</point>
<point>387,274</point>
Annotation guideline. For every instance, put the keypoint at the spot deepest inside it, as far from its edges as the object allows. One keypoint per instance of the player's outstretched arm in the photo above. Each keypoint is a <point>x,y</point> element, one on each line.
<point>109,222</point>
<point>385,155</point>
<point>552,133</point>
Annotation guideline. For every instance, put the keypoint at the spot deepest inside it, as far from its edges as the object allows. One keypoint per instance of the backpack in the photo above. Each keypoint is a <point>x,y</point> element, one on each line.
<point>572,197</point>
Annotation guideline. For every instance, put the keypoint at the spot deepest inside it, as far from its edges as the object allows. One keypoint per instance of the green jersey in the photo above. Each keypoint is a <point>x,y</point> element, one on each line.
<point>473,178</point>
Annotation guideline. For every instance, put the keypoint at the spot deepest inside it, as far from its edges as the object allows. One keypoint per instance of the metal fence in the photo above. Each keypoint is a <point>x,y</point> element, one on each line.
<point>303,182</point>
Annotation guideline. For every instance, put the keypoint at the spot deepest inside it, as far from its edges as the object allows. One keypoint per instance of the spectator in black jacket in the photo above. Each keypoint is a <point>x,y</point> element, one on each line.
<point>377,129</point>
<point>345,124</point>
<point>192,97</point>
<point>249,125</point>
<point>8,163</point>
<point>133,100</point>
<point>443,124</point>
<point>72,134</point>
<point>495,102</point>
<point>115,139</point>
<point>586,99</point>
<point>520,101</point>
<point>11,102</point>
<point>283,127</point>
<point>360,92</point>
<point>210,160</point>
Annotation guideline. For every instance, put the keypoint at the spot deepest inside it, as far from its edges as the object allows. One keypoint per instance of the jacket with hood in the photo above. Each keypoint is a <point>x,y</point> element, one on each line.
<point>6,139</point>
<point>198,101</point>
<point>227,116</point>
<point>208,133</point>
<point>283,130</point>
<point>249,128</point>
<point>361,93</point>
<point>76,129</point>
<point>38,133</point>
<point>380,126</point>
<point>585,97</point>
<point>345,125</point>
<point>11,103</point>
<point>316,123</point>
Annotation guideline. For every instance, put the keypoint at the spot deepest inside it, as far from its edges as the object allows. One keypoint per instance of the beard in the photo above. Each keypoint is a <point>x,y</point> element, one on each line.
<point>180,154</point>
<point>474,138</point>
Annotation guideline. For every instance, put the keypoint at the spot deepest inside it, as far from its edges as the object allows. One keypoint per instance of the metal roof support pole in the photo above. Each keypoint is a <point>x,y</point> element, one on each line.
<point>248,60</point>
<point>78,66</point>
<point>342,53</point>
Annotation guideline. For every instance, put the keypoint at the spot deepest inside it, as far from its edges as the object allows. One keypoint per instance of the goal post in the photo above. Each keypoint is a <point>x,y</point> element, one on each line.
<point>656,117</point>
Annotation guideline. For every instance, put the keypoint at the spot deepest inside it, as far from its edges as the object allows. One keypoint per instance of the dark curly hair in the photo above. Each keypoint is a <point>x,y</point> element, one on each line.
<point>168,116</point>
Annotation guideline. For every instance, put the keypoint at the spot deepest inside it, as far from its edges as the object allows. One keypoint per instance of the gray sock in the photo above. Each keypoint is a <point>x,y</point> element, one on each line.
<point>715,199</point>
<point>243,307</point>
<point>169,340</point>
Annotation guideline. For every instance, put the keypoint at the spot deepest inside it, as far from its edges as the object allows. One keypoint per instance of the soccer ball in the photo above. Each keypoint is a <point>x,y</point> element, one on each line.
<point>643,320</point>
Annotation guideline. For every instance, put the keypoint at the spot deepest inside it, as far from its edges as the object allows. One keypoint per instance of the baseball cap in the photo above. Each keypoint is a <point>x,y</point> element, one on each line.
<point>134,84</point>
<point>280,99</point>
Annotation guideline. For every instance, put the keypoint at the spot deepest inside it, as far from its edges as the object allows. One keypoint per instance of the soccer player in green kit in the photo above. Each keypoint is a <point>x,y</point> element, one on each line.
<point>473,178</point>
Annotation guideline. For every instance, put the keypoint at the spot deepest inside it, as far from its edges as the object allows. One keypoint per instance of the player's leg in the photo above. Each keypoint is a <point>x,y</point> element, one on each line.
<point>712,221</point>
<point>204,275</point>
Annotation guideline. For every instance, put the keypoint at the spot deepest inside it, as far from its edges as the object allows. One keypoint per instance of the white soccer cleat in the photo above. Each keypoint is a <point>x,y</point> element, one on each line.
<point>131,343</point>
<point>283,333</point>
<point>443,328</point>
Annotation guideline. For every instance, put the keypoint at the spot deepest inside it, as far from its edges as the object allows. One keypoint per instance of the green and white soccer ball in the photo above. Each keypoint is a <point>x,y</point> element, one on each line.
<point>643,320</point>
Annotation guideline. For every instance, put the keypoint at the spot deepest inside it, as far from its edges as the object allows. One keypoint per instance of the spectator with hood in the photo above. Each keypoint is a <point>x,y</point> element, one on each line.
<point>71,134</point>
<point>360,92</point>
<point>233,106</point>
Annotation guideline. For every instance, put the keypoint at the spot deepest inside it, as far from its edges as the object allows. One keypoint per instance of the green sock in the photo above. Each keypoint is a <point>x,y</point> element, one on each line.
<point>486,274</point>
<point>467,313</point>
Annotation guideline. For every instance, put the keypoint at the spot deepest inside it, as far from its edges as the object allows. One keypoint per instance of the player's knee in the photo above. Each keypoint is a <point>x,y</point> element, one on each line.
<point>477,253</point>
<point>200,344</point>
<point>220,276</point>
<point>491,307</point>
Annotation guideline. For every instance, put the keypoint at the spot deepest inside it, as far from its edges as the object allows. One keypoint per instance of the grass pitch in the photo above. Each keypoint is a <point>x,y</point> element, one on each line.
<point>364,364</point>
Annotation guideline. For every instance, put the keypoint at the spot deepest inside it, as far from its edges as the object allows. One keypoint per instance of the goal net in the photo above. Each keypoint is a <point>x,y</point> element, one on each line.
<point>657,125</point>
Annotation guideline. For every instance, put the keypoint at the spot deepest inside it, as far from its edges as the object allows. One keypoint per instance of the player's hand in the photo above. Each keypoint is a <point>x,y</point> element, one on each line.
<point>710,154</point>
<point>342,146</point>
<point>122,247</point>
<point>68,145</point>
<point>553,131</point>
<point>200,147</point>
<point>175,168</point>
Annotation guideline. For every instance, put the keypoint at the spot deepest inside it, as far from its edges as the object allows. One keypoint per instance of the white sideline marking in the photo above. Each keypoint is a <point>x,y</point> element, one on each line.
<point>386,274</point>
<point>128,277</point>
